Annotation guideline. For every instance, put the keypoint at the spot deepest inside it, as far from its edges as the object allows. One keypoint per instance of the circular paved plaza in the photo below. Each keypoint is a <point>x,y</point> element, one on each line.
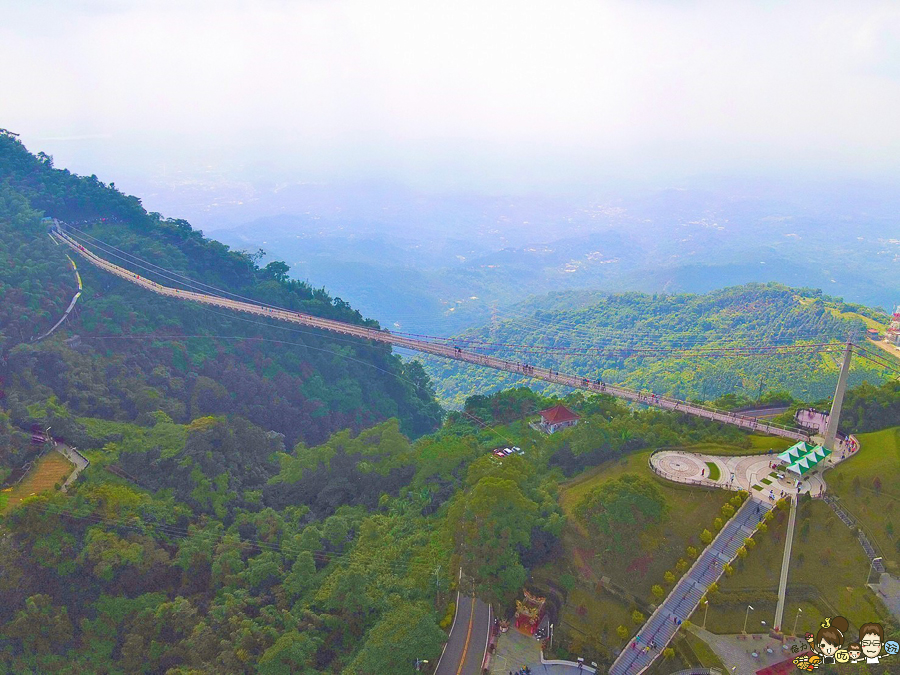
<point>734,473</point>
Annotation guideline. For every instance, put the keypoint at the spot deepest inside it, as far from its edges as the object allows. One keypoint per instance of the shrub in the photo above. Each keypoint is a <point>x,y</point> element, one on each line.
<point>749,542</point>
<point>713,588</point>
<point>742,552</point>
<point>448,617</point>
<point>727,510</point>
<point>729,570</point>
<point>622,632</point>
<point>669,577</point>
<point>668,653</point>
<point>637,617</point>
<point>567,581</point>
<point>717,524</point>
<point>692,551</point>
<point>657,590</point>
<point>706,536</point>
<point>681,565</point>
<point>763,528</point>
<point>736,501</point>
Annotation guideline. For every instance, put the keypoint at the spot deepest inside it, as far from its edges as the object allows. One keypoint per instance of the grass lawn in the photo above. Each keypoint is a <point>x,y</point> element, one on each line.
<point>766,481</point>
<point>827,577</point>
<point>760,444</point>
<point>49,470</point>
<point>643,558</point>
<point>714,472</point>
<point>702,651</point>
<point>590,618</point>
<point>878,510</point>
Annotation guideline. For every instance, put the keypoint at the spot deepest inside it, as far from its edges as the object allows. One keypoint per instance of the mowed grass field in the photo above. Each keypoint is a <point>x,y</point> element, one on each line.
<point>827,577</point>
<point>593,614</point>
<point>868,486</point>
<point>49,470</point>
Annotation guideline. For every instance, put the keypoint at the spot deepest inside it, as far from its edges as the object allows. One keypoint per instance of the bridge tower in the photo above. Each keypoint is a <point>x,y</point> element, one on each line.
<point>835,415</point>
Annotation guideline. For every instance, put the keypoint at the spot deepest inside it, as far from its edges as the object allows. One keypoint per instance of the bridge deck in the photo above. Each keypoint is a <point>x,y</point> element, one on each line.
<point>445,350</point>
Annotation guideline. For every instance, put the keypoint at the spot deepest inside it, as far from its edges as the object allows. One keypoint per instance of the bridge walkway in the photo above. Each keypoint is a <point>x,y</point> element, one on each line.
<point>444,350</point>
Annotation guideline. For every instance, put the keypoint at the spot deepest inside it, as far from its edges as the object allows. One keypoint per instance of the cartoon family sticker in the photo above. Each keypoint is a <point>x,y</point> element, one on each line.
<point>827,645</point>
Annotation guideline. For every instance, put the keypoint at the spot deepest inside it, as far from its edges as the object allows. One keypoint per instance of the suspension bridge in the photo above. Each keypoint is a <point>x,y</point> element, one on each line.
<point>664,623</point>
<point>445,347</point>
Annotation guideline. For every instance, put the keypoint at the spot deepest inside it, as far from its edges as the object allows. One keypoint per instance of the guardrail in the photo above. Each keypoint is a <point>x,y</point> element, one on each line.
<point>561,662</point>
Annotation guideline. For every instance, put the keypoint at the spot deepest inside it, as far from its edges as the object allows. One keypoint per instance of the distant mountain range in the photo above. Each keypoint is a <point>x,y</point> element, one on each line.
<point>443,264</point>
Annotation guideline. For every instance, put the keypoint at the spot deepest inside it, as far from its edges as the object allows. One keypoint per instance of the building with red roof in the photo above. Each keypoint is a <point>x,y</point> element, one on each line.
<point>556,418</point>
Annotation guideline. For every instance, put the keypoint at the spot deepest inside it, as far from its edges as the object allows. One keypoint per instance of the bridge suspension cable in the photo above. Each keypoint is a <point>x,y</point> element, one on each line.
<point>444,350</point>
<point>718,347</point>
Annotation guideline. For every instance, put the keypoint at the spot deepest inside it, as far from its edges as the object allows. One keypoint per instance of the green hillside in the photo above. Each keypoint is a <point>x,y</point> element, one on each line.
<point>769,314</point>
<point>303,384</point>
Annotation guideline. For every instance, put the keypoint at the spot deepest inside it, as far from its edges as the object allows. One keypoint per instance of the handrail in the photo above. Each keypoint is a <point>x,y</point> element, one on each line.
<point>447,351</point>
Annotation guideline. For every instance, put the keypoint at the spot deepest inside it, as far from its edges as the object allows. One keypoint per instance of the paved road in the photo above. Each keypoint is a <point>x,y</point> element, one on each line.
<point>464,653</point>
<point>442,348</point>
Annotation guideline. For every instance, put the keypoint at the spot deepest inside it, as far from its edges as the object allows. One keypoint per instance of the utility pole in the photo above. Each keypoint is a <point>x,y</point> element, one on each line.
<point>838,402</point>
<point>437,586</point>
<point>796,618</point>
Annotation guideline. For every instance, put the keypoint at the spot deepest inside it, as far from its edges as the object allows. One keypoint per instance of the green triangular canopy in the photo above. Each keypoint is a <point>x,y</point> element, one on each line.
<point>795,452</point>
<point>800,466</point>
<point>820,452</point>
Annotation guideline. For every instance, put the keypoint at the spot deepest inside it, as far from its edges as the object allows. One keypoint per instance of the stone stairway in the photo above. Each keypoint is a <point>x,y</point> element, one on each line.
<point>662,625</point>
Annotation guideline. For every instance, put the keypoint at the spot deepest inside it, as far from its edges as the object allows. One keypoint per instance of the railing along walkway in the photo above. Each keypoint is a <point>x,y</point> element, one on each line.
<point>445,350</point>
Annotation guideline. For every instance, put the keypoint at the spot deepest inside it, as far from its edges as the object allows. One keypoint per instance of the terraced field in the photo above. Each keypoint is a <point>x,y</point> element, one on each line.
<point>49,470</point>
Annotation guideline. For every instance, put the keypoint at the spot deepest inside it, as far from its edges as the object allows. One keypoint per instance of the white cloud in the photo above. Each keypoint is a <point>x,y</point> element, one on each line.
<point>419,88</point>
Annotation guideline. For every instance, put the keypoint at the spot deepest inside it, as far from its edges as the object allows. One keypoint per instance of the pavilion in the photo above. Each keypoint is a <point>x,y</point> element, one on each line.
<point>803,457</point>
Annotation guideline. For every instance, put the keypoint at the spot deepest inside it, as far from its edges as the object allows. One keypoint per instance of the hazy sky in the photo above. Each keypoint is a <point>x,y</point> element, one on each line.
<point>455,92</point>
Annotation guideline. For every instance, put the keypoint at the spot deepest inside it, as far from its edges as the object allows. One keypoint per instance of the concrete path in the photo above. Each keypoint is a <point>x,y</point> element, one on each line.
<point>79,460</point>
<point>736,651</point>
<point>739,472</point>
<point>662,625</point>
<point>888,590</point>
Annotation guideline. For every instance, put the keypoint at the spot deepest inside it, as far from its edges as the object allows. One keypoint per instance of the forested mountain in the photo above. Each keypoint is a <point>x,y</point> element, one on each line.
<point>301,383</point>
<point>602,335</point>
<point>263,499</point>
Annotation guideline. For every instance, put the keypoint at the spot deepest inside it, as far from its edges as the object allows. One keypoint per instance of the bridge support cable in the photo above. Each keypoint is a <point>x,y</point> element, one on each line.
<point>444,350</point>
<point>838,402</point>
